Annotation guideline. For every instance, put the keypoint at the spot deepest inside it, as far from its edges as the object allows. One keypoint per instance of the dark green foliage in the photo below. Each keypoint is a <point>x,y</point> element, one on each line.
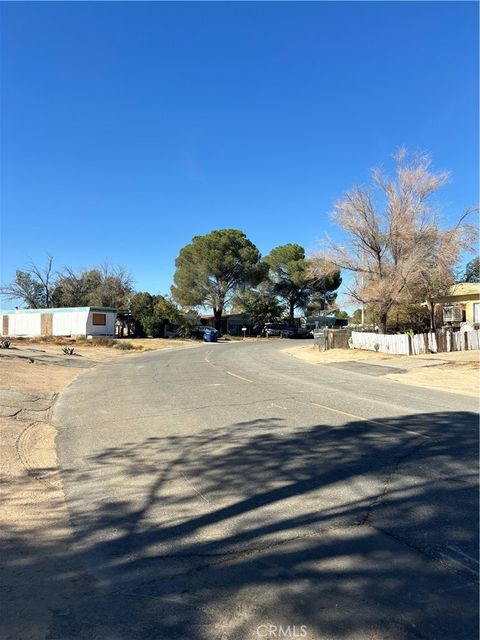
<point>213,267</point>
<point>153,312</point>
<point>261,305</point>
<point>472,271</point>
<point>141,307</point>
<point>301,283</point>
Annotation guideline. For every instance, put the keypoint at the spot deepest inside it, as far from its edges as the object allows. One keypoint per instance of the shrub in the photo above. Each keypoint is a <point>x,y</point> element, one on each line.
<point>125,346</point>
<point>69,351</point>
<point>102,341</point>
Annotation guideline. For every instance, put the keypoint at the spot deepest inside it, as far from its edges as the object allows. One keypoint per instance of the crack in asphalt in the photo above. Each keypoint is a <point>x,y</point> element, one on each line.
<point>393,471</point>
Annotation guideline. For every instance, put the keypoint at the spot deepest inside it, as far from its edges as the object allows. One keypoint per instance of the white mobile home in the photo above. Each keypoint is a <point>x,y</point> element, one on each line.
<point>68,321</point>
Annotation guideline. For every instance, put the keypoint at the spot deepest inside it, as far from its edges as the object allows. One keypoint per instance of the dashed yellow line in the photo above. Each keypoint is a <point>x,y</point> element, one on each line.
<point>235,375</point>
<point>382,424</point>
<point>230,373</point>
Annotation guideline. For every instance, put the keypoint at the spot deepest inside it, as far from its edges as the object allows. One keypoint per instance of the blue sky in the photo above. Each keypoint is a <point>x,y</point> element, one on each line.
<point>128,128</point>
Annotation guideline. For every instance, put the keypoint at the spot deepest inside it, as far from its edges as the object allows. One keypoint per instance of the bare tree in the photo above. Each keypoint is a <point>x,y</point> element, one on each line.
<point>116,287</point>
<point>100,286</point>
<point>396,247</point>
<point>33,285</point>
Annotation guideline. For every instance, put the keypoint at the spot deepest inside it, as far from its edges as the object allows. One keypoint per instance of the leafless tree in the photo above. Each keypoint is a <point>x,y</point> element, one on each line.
<point>42,287</point>
<point>101,286</point>
<point>33,285</point>
<point>396,247</point>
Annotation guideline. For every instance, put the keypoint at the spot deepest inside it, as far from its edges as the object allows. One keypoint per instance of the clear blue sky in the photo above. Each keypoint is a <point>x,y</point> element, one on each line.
<point>128,128</point>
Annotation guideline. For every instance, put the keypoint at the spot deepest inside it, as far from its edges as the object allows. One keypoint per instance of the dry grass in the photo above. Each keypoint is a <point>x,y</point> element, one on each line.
<point>93,344</point>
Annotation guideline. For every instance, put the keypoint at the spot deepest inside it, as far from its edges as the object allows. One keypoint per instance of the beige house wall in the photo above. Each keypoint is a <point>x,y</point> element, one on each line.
<point>465,295</point>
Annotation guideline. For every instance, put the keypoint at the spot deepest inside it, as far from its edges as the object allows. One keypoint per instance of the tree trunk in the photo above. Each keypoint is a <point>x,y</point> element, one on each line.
<point>218,319</point>
<point>291,315</point>
<point>382,322</point>
<point>431,309</point>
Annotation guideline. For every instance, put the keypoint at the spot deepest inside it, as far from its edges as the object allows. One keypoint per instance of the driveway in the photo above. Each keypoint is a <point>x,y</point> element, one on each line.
<point>232,492</point>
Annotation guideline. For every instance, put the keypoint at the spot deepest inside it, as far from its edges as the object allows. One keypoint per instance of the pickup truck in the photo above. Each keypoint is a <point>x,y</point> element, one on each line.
<point>285,330</point>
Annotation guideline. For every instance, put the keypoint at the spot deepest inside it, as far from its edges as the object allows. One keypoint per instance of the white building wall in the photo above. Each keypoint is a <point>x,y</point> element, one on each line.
<point>102,330</point>
<point>23,324</point>
<point>70,323</point>
<point>78,322</point>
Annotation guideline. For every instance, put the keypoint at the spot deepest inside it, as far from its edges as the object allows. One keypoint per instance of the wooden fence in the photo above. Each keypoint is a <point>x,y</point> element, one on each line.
<point>337,338</point>
<point>403,344</point>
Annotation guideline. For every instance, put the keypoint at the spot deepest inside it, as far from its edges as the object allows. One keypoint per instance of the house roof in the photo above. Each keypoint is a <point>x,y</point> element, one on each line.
<point>60,310</point>
<point>462,291</point>
<point>464,288</point>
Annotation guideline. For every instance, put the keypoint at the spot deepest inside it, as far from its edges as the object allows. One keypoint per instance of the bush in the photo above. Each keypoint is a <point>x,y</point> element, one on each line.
<point>102,341</point>
<point>125,346</point>
<point>186,329</point>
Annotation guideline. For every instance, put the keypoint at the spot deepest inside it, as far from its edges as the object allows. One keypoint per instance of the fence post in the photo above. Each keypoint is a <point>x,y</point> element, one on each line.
<point>465,334</point>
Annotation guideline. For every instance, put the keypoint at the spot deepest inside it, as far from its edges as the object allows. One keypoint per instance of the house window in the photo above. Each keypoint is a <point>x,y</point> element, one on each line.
<point>99,319</point>
<point>476,312</point>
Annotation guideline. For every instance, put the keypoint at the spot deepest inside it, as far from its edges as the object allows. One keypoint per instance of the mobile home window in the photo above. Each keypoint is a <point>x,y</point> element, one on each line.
<point>99,319</point>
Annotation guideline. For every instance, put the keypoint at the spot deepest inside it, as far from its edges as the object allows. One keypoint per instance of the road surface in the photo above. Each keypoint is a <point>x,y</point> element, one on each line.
<point>231,492</point>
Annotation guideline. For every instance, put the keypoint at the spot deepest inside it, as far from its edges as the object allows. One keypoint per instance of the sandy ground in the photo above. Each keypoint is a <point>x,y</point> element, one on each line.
<point>93,351</point>
<point>34,518</point>
<point>456,372</point>
<point>38,575</point>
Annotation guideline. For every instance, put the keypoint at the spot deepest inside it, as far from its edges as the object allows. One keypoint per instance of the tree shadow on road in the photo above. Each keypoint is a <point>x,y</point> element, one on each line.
<point>365,530</point>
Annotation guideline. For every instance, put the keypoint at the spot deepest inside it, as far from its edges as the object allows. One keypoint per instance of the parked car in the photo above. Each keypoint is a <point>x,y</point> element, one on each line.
<point>284,330</point>
<point>304,332</point>
<point>273,328</point>
<point>279,329</point>
<point>198,331</point>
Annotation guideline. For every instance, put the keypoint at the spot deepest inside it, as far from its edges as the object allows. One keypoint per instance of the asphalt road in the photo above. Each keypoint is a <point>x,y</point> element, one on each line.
<point>231,492</point>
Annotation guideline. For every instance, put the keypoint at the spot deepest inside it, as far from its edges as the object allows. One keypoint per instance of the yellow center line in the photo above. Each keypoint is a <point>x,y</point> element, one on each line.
<point>235,375</point>
<point>230,373</point>
<point>382,424</point>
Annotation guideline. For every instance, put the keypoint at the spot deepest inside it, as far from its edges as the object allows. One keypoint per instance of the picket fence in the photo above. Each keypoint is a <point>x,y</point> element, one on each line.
<point>384,343</point>
<point>404,344</point>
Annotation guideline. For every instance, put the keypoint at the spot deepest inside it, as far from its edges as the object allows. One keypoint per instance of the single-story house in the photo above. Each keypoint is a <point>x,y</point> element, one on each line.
<point>64,321</point>
<point>232,323</point>
<point>318,322</point>
<point>460,304</point>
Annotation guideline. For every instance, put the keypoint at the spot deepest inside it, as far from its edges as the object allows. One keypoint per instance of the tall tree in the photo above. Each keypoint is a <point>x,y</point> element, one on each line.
<point>103,286</point>
<point>213,267</point>
<point>33,286</point>
<point>152,312</point>
<point>260,304</point>
<point>297,280</point>
<point>472,270</point>
<point>395,245</point>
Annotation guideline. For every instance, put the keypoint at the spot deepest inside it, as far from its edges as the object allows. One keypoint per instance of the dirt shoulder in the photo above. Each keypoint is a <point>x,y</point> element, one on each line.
<point>456,372</point>
<point>97,350</point>
<point>36,535</point>
<point>39,572</point>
